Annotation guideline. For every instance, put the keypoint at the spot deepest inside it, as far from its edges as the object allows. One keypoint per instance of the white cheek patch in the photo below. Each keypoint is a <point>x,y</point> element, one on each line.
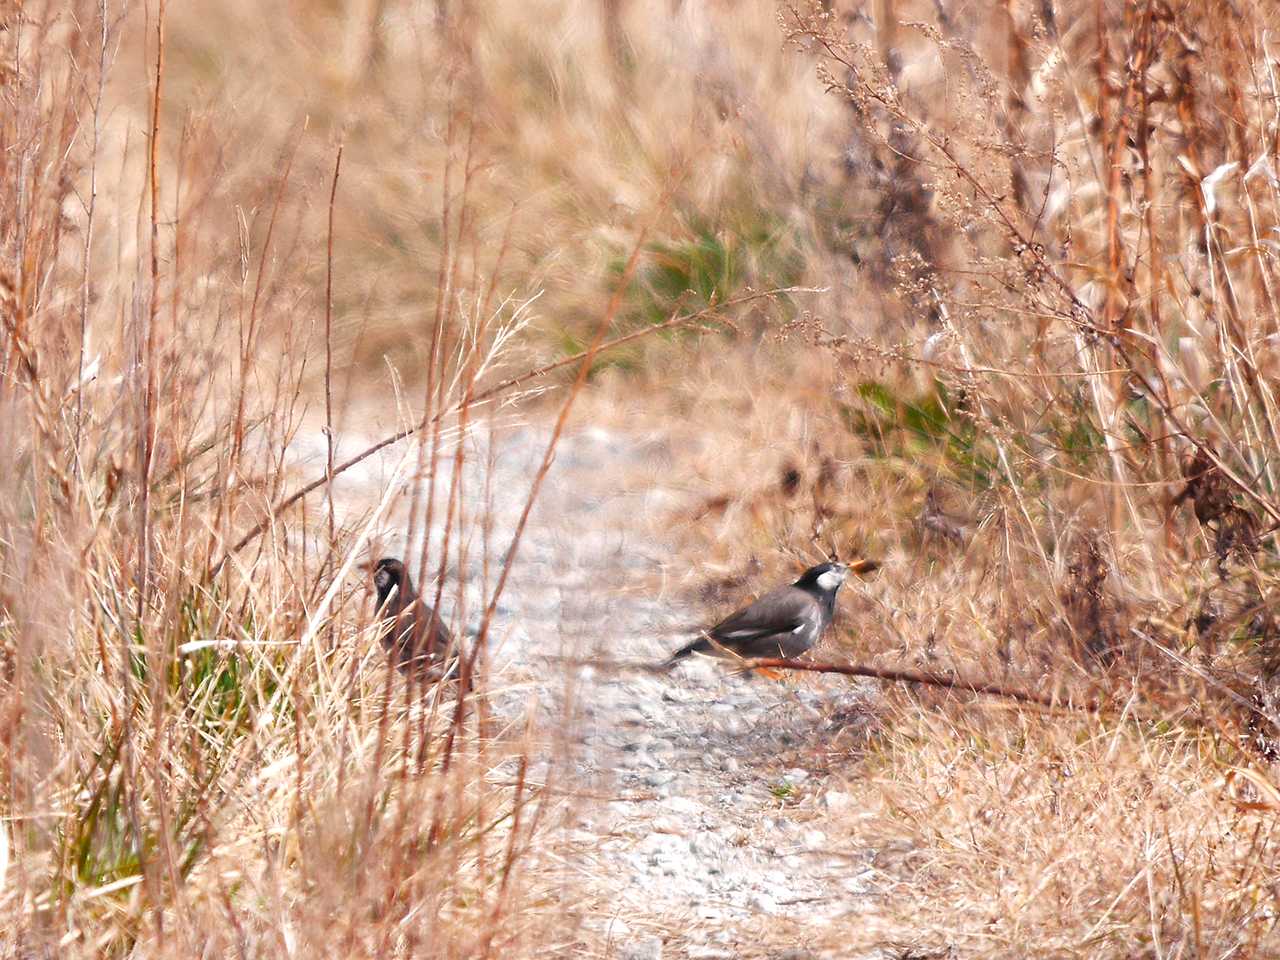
<point>830,580</point>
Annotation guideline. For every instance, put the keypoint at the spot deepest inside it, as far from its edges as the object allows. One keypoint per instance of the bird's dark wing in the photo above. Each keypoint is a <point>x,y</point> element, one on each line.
<point>780,611</point>
<point>762,628</point>
<point>417,635</point>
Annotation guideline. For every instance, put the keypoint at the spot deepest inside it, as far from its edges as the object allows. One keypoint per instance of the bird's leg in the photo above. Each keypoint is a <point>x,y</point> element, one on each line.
<point>751,672</point>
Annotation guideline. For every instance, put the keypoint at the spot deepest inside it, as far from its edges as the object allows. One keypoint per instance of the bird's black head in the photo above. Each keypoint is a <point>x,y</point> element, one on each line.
<point>389,576</point>
<point>824,579</point>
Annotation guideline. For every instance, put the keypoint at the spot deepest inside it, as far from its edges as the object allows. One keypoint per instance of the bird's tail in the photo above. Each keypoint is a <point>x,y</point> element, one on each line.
<point>701,645</point>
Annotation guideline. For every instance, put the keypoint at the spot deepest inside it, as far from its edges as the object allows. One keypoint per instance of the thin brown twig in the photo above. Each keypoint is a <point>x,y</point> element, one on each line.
<point>499,388</point>
<point>548,458</point>
<point>946,681</point>
<point>90,207</point>
<point>434,384</point>
<point>246,337</point>
<point>328,354</point>
<point>146,454</point>
<point>153,308</point>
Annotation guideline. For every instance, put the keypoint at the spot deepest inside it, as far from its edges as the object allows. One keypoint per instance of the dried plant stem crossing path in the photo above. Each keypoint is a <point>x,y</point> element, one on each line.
<point>694,835</point>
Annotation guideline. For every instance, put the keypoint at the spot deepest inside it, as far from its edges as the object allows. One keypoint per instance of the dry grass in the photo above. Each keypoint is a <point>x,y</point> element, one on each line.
<point>203,750</point>
<point>1039,385</point>
<point>1061,441</point>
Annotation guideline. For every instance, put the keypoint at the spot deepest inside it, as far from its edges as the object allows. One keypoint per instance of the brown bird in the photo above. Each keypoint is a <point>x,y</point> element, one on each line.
<point>416,639</point>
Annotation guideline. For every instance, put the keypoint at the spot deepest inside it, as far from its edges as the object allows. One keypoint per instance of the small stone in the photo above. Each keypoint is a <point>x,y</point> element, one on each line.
<point>815,839</point>
<point>708,845</point>
<point>616,929</point>
<point>795,775</point>
<point>733,726</point>
<point>639,759</point>
<point>779,884</point>
<point>683,806</point>
<point>634,717</point>
<point>658,778</point>
<point>837,800</point>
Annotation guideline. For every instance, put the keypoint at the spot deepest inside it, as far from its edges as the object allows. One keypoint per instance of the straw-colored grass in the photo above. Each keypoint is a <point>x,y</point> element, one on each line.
<point>1037,382</point>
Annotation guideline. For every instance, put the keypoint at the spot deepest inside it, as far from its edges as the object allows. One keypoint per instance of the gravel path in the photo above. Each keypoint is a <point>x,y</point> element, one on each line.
<point>703,784</point>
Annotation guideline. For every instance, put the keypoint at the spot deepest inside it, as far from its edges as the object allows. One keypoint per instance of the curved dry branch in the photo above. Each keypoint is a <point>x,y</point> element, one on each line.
<point>488,394</point>
<point>946,681</point>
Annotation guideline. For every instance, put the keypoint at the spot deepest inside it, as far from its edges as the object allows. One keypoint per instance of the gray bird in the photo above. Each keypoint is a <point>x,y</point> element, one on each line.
<point>785,622</point>
<point>412,632</point>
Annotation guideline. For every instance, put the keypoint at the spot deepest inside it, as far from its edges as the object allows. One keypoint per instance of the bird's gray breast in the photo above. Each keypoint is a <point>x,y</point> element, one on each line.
<point>803,636</point>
